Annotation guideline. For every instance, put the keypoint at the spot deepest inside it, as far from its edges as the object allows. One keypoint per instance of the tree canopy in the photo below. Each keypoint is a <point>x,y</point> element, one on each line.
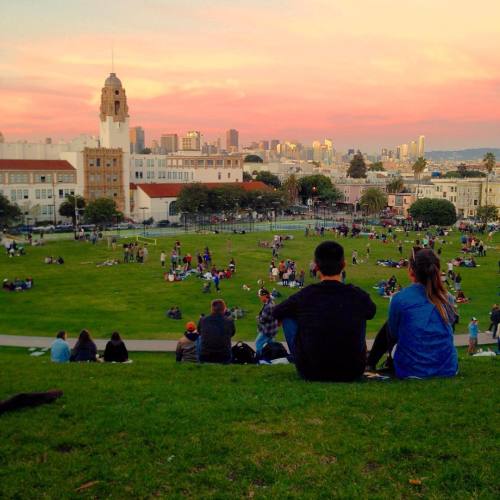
<point>268,178</point>
<point>434,211</point>
<point>378,166</point>
<point>357,168</point>
<point>487,213</point>
<point>396,185</point>
<point>197,198</point>
<point>247,177</point>
<point>373,200</point>
<point>9,212</point>
<point>102,211</point>
<point>253,159</point>
<point>67,207</point>
<point>489,161</point>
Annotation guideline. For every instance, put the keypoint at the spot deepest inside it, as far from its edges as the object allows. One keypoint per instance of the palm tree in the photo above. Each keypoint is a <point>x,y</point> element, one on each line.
<point>373,200</point>
<point>489,161</point>
<point>418,167</point>
<point>396,185</point>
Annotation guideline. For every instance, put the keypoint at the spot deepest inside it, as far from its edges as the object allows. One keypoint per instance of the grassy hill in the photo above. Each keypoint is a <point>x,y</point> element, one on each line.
<point>157,429</point>
<point>133,298</point>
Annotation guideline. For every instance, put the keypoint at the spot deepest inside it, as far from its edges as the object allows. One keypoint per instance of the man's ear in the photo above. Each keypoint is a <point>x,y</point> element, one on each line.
<point>343,264</point>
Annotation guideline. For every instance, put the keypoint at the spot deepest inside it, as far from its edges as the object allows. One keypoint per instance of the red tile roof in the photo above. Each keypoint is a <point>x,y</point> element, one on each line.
<point>167,190</point>
<point>35,165</point>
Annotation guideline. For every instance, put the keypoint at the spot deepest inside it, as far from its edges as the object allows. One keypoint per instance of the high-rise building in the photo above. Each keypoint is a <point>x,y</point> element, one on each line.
<point>192,141</point>
<point>232,140</point>
<point>274,144</point>
<point>413,150</point>
<point>169,143</point>
<point>264,145</point>
<point>137,140</point>
<point>403,152</point>
<point>421,146</point>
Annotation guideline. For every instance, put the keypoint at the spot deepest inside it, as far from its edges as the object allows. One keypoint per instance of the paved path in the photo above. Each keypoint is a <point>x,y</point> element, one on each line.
<point>169,345</point>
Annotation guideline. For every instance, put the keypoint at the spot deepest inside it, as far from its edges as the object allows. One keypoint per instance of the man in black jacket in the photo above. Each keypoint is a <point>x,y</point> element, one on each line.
<point>327,337</point>
<point>215,332</point>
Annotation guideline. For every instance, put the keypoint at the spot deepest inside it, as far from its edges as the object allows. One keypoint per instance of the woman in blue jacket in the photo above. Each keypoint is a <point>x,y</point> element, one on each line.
<point>420,324</point>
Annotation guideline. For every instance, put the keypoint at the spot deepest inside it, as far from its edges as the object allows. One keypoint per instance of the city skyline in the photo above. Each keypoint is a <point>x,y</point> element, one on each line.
<point>364,77</point>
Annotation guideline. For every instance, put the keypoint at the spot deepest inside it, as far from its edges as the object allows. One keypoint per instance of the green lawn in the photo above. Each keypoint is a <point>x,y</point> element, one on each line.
<point>157,429</point>
<point>133,298</point>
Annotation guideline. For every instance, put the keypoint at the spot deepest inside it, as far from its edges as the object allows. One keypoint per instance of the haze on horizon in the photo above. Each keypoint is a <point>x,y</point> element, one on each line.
<point>367,74</point>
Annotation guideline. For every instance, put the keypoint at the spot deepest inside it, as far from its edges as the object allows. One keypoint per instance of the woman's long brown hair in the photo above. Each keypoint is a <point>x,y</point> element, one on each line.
<point>427,269</point>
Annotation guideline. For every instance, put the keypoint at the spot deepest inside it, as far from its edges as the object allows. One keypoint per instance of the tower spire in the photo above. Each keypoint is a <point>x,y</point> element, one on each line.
<point>112,57</point>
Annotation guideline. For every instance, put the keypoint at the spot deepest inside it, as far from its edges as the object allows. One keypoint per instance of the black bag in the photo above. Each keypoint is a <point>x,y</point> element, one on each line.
<point>273,350</point>
<point>243,354</point>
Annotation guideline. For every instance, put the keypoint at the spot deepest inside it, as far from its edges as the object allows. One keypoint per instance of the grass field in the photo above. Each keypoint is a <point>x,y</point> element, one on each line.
<point>133,298</point>
<point>157,429</point>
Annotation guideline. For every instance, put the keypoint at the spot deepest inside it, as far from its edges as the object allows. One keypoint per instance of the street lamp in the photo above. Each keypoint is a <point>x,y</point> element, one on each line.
<point>144,218</point>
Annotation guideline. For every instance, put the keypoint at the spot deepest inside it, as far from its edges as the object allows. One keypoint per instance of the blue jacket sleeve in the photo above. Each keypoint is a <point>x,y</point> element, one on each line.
<point>394,316</point>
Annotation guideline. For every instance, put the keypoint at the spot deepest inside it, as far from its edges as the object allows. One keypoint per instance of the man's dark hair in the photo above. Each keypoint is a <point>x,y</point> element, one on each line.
<point>218,306</point>
<point>61,334</point>
<point>329,257</point>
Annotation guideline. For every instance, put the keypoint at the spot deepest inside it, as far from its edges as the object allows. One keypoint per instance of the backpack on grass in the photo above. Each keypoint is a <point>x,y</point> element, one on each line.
<point>243,354</point>
<point>273,350</point>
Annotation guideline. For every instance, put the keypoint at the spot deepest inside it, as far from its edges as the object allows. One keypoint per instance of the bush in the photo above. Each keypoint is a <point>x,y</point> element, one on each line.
<point>434,211</point>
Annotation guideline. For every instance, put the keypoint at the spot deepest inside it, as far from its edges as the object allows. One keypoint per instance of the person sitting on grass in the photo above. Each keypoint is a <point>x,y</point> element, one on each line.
<point>85,348</point>
<point>461,298</point>
<point>115,351</point>
<point>8,285</point>
<point>473,328</point>
<point>207,285</point>
<point>174,313</point>
<point>420,325</point>
<point>216,331</point>
<point>59,350</point>
<point>186,350</point>
<point>325,323</point>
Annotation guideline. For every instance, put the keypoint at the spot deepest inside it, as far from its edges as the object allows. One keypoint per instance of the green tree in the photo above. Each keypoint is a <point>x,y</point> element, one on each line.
<point>489,161</point>
<point>67,207</point>
<point>268,178</point>
<point>225,198</point>
<point>193,198</point>
<point>102,211</point>
<point>247,177</point>
<point>9,212</point>
<point>378,166</point>
<point>418,167</point>
<point>373,200</point>
<point>290,189</point>
<point>357,168</point>
<point>434,211</point>
<point>253,159</point>
<point>314,185</point>
<point>462,170</point>
<point>396,185</point>
<point>487,213</point>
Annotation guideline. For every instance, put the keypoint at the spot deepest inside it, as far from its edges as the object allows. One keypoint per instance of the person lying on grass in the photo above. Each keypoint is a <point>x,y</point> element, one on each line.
<point>420,325</point>
<point>325,323</point>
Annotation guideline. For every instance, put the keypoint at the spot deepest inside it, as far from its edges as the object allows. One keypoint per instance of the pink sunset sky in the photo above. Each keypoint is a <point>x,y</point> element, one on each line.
<point>366,73</point>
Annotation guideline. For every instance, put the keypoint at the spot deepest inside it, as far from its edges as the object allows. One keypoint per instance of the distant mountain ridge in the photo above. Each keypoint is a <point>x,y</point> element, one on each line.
<point>463,154</point>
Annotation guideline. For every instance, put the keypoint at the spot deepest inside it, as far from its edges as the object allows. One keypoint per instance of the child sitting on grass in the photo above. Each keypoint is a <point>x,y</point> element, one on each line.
<point>473,332</point>
<point>186,347</point>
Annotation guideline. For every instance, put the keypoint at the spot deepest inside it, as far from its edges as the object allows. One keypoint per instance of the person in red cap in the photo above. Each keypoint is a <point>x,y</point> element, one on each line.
<point>186,347</point>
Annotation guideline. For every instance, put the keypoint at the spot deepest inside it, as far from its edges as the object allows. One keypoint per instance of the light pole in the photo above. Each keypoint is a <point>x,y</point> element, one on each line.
<point>143,218</point>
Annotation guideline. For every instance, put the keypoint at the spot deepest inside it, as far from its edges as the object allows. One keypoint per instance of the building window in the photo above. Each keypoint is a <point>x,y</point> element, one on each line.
<point>98,162</point>
<point>229,175</point>
<point>219,175</point>
<point>172,209</point>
